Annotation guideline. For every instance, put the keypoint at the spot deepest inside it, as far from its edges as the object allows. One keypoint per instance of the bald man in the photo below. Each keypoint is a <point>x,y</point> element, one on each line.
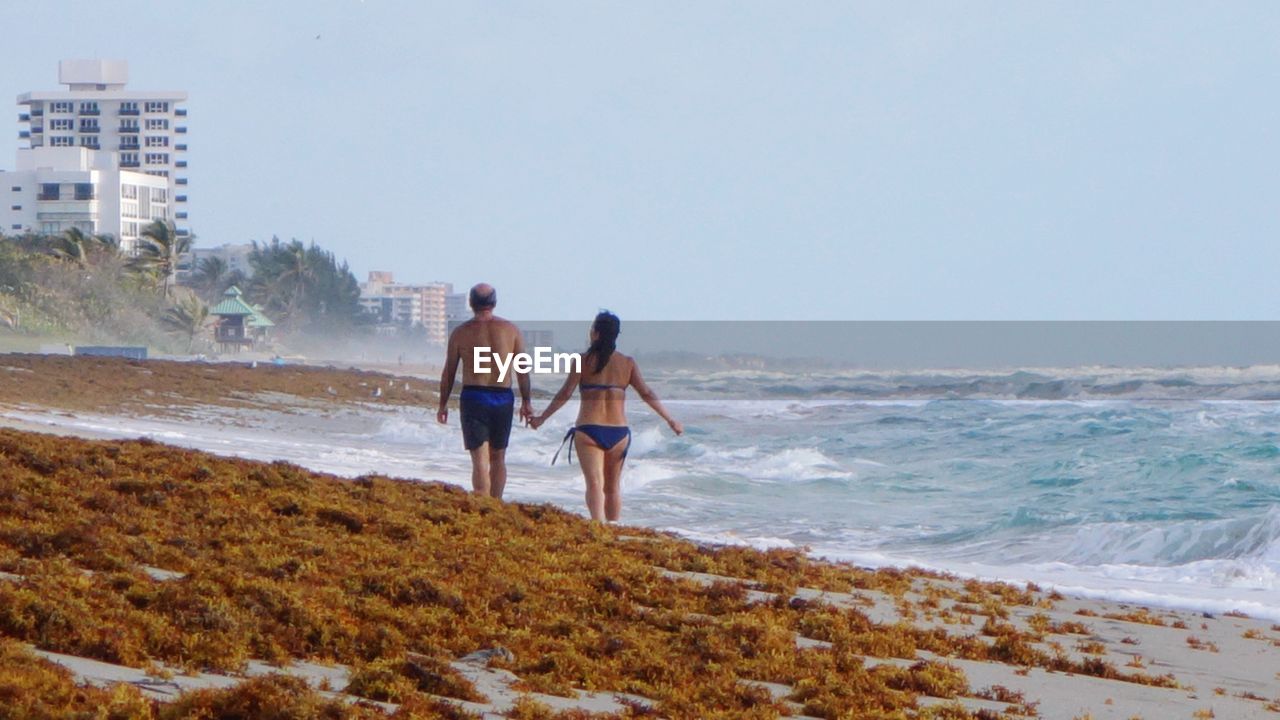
<point>486,403</point>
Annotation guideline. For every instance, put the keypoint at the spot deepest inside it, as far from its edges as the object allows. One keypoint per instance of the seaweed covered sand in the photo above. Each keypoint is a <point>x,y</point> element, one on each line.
<point>174,561</point>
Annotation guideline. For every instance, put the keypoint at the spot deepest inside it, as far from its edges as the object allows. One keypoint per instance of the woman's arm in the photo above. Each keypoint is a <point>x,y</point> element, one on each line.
<point>647,394</point>
<point>562,397</point>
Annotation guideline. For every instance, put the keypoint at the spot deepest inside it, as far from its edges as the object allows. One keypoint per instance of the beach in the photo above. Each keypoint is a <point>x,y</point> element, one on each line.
<point>597,619</point>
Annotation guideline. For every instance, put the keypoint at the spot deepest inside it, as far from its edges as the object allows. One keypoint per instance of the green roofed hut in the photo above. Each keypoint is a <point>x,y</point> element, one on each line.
<point>239,325</point>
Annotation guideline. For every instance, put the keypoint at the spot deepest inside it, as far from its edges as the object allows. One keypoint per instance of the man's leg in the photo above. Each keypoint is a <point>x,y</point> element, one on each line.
<point>497,471</point>
<point>480,469</point>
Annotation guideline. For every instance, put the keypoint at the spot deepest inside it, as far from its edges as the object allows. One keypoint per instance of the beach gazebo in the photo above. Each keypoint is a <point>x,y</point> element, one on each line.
<point>238,324</point>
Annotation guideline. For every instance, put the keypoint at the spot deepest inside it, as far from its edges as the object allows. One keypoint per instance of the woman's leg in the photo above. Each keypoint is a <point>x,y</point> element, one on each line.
<point>591,460</point>
<point>613,460</point>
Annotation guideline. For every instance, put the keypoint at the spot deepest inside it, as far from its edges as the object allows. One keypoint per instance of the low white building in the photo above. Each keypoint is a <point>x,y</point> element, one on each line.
<point>56,189</point>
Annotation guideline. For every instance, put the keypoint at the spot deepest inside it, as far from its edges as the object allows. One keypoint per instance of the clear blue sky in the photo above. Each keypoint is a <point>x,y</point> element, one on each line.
<point>729,160</point>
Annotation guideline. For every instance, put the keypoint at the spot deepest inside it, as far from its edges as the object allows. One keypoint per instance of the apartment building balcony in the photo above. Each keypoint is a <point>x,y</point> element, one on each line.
<point>183,232</point>
<point>24,134</point>
<point>180,181</point>
<point>93,112</point>
<point>128,129</point>
<point>24,117</point>
<point>180,216</point>
<point>180,163</point>
<point>180,148</point>
<point>180,130</point>
<point>180,112</point>
<point>90,129</point>
<point>130,164</point>
<point>180,198</point>
<point>37,130</point>
<point>67,210</point>
<point>37,112</point>
<point>129,146</point>
<point>127,112</point>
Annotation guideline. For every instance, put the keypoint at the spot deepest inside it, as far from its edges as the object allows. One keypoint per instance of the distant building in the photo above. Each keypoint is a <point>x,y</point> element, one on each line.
<point>56,189</point>
<point>144,131</point>
<point>235,256</point>
<point>406,308</point>
<point>456,308</point>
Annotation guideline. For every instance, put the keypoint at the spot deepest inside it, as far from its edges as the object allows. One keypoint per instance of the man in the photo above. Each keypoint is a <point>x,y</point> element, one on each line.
<point>485,403</point>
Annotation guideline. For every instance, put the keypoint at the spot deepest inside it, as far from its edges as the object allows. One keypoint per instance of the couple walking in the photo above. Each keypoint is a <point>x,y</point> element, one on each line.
<point>600,436</point>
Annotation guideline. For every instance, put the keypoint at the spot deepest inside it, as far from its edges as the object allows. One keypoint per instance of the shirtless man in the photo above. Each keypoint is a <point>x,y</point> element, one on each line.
<point>485,403</point>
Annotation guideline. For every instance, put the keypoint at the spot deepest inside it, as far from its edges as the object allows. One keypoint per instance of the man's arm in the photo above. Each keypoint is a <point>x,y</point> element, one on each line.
<point>451,356</point>
<point>522,380</point>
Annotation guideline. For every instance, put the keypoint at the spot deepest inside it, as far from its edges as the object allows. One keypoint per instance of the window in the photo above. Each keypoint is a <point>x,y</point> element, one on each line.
<point>129,209</point>
<point>157,106</point>
<point>62,124</point>
<point>128,126</point>
<point>84,191</point>
<point>157,158</point>
<point>62,107</point>
<point>129,229</point>
<point>89,125</point>
<point>159,173</point>
<point>157,141</point>
<point>128,159</point>
<point>89,108</point>
<point>157,123</point>
<point>19,227</point>
<point>15,207</point>
<point>17,188</point>
<point>159,195</point>
<point>50,191</point>
<point>90,142</point>
<point>62,141</point>
<point>129,192</point>
<point>128,108</point>
<point>51,228</point>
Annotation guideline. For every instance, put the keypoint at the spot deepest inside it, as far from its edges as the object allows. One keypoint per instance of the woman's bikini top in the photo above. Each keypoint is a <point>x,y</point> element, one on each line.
<point>596,386</point>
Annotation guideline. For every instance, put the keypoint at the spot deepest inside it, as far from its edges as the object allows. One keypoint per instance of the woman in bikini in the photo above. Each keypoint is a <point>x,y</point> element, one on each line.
<point>601,435</point>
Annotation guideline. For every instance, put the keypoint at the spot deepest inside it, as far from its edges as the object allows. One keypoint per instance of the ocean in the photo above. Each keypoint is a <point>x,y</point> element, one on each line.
<point>1156,486</point>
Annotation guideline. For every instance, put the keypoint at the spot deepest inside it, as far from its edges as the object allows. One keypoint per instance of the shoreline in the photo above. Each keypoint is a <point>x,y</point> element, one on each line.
<point>1129,596</point>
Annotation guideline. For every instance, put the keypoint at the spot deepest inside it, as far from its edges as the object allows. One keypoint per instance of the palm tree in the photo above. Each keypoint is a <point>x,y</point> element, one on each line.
<point>210,276</point>
<point>159,249</point>
<point>186,317</point>
<point>78,247</point>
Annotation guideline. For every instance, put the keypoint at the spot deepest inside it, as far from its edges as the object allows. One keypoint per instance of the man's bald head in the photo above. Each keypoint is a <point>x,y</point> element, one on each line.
<point>483,297</point>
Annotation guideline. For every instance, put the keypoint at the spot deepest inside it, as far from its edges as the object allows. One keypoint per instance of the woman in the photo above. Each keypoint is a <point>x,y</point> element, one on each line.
<point>601,435</point>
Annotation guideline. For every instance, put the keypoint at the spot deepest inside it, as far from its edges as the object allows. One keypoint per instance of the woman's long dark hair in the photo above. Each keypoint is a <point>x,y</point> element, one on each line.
<point>606,326</point>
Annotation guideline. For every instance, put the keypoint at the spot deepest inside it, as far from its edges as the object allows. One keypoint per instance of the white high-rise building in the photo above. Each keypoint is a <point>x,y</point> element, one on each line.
<point>145,131</point>
<point>56,189</point>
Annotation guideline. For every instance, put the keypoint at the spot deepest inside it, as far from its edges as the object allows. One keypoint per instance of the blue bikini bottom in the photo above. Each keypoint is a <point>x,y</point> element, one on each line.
<point>606,436</point>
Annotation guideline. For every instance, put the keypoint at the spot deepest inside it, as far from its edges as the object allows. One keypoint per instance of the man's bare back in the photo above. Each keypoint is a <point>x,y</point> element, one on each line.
<point>501,338</point>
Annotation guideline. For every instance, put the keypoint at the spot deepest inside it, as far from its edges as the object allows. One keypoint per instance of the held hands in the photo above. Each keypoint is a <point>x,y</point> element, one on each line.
<point>526,414</point>
<point>536,422</point>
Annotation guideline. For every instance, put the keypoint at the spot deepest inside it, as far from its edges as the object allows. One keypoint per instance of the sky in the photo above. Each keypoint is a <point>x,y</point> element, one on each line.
<point>729,160</point>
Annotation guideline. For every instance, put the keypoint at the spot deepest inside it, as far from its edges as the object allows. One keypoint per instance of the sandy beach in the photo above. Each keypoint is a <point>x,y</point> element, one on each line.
<point>151,571</point>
